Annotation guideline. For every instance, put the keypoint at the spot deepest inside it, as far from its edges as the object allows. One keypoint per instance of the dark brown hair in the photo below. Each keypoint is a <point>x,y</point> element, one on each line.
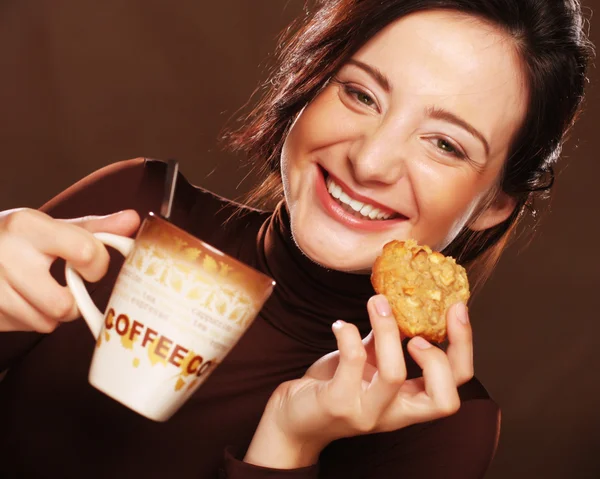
<point>549,35</point>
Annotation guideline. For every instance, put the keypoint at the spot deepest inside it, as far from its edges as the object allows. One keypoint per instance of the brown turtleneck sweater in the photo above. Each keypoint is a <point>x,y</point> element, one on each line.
<point>54,424</point>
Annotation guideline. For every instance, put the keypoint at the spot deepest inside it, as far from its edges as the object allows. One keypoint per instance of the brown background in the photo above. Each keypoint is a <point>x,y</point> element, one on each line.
<point>85,83</point>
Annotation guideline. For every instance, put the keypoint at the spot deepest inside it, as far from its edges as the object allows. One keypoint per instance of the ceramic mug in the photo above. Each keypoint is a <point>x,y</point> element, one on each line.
<point>177,308</point>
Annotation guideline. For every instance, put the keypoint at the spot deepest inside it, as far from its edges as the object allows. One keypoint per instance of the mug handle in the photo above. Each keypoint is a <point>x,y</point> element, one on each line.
<point>89,311</point>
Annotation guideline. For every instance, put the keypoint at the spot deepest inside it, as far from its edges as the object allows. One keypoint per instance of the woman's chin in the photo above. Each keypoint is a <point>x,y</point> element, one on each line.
<point>327,242</point>
<point>333,256</point>
<point>341,264</point>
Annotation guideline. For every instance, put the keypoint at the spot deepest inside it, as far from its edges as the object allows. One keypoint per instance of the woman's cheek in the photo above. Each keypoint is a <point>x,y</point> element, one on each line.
<point>291,164</point>
<point>445,204</point>
<point>460,222</point>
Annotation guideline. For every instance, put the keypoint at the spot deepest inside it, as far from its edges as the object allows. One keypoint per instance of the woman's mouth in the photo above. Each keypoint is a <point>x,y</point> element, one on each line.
<point>352,209</point>
<point>355,207</point>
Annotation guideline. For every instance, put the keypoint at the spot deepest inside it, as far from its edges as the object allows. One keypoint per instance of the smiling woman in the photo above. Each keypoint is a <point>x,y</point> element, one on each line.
<point>454,102</point>
<point>436,121</point>
<point>395,127</point>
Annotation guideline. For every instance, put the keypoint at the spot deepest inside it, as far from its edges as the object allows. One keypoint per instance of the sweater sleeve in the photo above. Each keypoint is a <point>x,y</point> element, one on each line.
<point>235,468</point>
<point>127,184</point>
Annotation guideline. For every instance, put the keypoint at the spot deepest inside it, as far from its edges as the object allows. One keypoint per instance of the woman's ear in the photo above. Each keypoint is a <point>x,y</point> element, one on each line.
<point>497,211</point>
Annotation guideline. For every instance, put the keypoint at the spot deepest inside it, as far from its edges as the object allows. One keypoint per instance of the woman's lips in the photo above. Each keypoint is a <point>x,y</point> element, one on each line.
<point>338,213</point>
<point>355,196</point>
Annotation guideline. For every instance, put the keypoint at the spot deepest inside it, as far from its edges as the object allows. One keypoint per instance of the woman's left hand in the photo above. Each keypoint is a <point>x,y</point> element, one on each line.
<point>362,388</point>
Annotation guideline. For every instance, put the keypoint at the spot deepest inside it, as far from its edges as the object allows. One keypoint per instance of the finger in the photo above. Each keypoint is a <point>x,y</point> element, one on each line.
<point>352,356</point>
<point>325,367</point>
<point>460,349</point>
<point>369,342</point>
<point>388,344</point>
<point>123,223</point>
<point>29,276</point>
<point>16,314</point>
<point>57,239</point>
<point>438,378</point>
<point>391,368</point>
<point>371,362</point>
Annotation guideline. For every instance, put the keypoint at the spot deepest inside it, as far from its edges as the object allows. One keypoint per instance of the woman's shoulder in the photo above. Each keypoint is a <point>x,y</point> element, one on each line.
<point>103,191</point>
<point>139,184</point>
<point>204,213</point>
<point>474,429</point>
<point>461,445</point>
<point>478,412</point>
<point>473,389</point>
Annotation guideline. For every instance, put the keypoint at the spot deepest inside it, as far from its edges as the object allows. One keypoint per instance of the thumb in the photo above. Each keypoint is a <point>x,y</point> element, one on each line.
<point>123,223</point>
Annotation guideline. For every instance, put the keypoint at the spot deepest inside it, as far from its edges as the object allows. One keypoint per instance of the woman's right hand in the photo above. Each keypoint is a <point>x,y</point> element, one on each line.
<point>30,241</point>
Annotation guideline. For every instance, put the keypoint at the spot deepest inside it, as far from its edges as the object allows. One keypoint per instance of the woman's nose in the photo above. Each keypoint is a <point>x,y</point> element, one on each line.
<point>377,156</point>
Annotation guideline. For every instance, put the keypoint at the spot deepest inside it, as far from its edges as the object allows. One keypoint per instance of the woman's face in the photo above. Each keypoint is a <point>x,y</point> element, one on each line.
<point>406,141</point>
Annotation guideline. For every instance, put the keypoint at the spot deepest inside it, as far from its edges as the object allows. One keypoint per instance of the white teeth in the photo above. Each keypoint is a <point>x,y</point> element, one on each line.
<point>356,205</point>
<point>337,191</point>
<point>344,198</point>
<point>366,210</point>
<point>334,190</point>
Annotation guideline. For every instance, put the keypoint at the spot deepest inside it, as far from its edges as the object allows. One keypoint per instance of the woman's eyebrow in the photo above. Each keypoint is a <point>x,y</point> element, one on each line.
<point>445,115</point>
<point>379,77</point>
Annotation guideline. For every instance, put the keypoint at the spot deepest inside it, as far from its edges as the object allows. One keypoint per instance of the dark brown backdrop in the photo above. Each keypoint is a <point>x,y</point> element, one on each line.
<point>85,83</point>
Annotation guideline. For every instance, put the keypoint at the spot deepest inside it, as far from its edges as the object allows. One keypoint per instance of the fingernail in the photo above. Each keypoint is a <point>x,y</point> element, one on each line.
<point>420,343</point>
<point>338,325</point>
<point>382,306</point>
<point>462,313</point>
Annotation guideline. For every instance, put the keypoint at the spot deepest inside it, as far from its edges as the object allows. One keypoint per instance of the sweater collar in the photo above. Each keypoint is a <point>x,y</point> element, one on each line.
<point>308,297</point>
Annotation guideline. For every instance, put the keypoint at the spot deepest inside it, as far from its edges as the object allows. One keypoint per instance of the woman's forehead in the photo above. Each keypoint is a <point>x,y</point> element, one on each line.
<point>453,61</point>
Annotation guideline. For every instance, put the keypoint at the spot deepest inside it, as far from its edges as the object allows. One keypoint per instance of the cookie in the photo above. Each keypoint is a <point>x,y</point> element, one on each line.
<point>420,286</point>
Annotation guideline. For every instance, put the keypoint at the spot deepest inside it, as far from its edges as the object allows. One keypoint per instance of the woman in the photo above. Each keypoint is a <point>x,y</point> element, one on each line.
<point>436,120</point>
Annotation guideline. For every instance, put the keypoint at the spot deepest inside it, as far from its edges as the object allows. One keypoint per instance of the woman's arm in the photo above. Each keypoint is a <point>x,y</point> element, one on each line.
<point>460,446</point>
<point>361,390</point>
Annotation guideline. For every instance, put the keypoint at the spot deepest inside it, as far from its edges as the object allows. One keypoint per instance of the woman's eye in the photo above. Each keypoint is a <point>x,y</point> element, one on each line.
<point>448,148</point>
<point>364,98</point>
<point>361,97</point>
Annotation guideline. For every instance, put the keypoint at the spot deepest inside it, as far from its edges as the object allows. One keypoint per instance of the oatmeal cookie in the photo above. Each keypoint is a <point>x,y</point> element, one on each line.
<point>420,286</point>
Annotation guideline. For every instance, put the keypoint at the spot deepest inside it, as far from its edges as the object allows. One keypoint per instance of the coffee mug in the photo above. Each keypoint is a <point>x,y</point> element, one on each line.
<point>177,308</point>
